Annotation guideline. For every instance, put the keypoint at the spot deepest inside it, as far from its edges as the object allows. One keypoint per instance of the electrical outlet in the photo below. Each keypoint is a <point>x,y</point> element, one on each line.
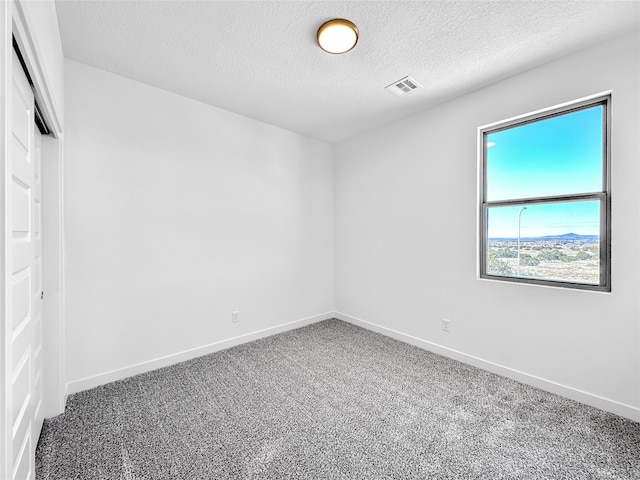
<point>234,316</point>
<point>446,325</point>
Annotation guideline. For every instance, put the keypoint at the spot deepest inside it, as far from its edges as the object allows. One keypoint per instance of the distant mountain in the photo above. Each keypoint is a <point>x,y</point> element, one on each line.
<point>570,236</point>
<point>565,237</point>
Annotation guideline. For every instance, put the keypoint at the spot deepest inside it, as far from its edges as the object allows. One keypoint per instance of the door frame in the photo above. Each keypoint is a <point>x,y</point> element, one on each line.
<point>16,22</point>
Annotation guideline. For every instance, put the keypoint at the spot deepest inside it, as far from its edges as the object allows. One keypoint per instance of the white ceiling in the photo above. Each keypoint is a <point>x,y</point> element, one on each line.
<point>259,58</point>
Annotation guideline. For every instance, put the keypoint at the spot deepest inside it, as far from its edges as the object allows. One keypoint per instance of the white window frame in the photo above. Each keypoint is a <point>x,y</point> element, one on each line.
<point>604,195</point>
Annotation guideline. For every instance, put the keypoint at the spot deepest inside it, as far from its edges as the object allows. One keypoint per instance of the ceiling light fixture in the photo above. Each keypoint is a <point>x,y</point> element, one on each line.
<point>337,36</point>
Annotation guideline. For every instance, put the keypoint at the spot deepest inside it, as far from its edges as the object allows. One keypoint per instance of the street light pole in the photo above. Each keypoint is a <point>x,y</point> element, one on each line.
<point>519,217</point>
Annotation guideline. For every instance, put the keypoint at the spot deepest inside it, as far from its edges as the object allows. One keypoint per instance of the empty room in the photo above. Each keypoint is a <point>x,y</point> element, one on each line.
<point>320,239</point>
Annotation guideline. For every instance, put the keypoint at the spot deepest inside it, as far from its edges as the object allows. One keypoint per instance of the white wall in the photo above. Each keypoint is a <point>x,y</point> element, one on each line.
<point>406,242</point>
<point>53,278</point>
<point>179,213</point>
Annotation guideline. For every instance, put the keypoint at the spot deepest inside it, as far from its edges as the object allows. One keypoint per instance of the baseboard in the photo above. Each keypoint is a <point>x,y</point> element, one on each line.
<point>86,383</point>
<point>587,398</point>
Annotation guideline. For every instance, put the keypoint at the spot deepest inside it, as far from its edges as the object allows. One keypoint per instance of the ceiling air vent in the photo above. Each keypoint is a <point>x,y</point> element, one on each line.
<point>402,86</point>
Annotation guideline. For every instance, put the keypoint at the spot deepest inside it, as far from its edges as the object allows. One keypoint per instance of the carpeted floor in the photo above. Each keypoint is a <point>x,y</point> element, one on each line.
<point>331,401</point>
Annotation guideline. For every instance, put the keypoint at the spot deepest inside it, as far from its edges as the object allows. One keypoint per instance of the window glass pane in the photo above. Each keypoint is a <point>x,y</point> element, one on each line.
<point>557,156</point>
<point>557,241</point>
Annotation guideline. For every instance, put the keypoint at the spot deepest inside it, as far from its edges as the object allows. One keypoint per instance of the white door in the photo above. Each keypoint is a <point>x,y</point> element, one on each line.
<point>24,269</point>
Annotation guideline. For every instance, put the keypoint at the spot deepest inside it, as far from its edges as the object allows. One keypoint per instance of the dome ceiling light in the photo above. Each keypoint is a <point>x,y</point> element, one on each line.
<point>337,36</point>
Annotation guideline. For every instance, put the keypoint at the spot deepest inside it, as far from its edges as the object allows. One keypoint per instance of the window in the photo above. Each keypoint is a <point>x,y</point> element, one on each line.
<point>545,197</point>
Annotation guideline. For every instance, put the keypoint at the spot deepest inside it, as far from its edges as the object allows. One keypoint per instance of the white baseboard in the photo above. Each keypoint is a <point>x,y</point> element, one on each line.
<point>587,398</point>
<point>113,375</point>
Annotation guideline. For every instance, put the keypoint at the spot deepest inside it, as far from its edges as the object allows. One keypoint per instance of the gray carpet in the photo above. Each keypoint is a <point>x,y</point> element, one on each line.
<point>331,401</point>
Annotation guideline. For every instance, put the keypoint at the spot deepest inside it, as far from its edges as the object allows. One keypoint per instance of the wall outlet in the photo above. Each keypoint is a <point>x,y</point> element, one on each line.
<point>446,325</point>
<point>234,316</point>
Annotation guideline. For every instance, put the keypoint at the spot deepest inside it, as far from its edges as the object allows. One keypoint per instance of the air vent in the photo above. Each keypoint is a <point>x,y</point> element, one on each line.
<point>402,86</point>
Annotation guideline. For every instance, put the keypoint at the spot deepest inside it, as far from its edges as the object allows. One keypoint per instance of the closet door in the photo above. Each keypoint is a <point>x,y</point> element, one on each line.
<point>24,275</point>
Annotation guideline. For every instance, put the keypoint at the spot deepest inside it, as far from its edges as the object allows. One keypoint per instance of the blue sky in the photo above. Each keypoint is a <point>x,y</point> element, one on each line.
<point>557,156</point>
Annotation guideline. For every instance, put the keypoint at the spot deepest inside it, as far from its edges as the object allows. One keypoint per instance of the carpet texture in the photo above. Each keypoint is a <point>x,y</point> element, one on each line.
<point>331,401</point>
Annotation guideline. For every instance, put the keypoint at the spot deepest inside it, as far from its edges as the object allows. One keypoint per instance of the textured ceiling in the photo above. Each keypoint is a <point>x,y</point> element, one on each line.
<point>259,59</point>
